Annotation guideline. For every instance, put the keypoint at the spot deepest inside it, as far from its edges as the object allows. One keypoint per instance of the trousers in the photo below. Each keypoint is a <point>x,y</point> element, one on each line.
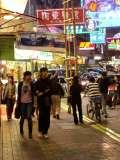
<point>9,107</point>
<point>44,119</point>
<point>26,113</point>
<point>56,104</point>
<point>77,106</point>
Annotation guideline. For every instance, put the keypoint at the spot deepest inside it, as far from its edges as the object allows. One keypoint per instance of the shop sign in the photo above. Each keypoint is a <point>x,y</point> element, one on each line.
<point>80,29</point>
<point>114,43</point>
<point>21,54</point>
<point>98,37</point>
<point>86,46</point>
<point>55,17</point>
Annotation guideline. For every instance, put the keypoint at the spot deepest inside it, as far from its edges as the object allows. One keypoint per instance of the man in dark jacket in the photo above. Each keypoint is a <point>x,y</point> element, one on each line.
<point>75,93</point>
<point>25,101</point>
<point>103,84</point>
<point>43,92</point>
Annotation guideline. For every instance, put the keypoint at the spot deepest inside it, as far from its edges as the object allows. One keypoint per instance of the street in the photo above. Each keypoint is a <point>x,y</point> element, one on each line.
<point>66,141</point>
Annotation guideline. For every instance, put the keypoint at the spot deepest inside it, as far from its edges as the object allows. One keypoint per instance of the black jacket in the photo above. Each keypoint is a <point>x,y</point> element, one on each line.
<point>56,88</point>
<point>75,91</point>
<point>44,86</point>
<point>103,85</point>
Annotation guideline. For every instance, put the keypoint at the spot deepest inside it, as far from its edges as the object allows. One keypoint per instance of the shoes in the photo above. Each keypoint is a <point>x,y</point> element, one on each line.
<point>22,133</point>
<point>76,123</point>
<point>106,116</point>
<point>30,135</point>
<point>54,116</point>
<point>46,136</point>
<point>9,119</point>
<point>40,135</point>
<point>58,117</point>
<point>81,122</point>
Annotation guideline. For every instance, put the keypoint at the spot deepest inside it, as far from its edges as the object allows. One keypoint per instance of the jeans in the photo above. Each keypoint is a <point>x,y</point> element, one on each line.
<point>26,113</point>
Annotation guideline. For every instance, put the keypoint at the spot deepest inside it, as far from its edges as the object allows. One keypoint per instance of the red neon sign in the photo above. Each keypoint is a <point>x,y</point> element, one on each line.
<point>55,17</point>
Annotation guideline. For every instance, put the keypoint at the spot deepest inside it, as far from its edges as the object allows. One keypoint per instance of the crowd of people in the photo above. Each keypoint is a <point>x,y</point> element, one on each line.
<point>46,92</point>
<point>43,98</point>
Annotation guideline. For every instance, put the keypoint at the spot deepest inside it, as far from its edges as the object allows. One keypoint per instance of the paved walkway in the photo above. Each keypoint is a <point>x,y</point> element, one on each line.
<point>66,142</point>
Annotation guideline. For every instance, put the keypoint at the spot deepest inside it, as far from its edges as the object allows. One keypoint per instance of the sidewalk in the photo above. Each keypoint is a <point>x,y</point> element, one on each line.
<point>66,142</point>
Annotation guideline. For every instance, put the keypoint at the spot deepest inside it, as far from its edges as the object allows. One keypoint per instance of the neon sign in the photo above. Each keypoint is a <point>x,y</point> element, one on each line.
<point>105,13</point>
<point>86,46</point>
<point>114,43</point>
<point>98,37</point>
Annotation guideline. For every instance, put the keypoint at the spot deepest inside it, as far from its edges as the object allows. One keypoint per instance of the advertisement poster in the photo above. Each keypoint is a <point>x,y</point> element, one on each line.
<point>104,13</point>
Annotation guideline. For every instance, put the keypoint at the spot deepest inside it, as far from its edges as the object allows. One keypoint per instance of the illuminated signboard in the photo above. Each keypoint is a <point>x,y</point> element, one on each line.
<point>113,43</point>
<point>104,13</point>
<point>21,54</point>
<point>80,29</point>
<point>86,46</point>
<point>55,17</point>
<point>98,37</point>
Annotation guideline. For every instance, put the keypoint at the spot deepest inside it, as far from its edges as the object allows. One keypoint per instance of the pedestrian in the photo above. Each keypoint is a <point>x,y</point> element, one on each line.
<point>104,84</point>
<point>26,101</point>
<point>57,93</point>
<point>1,91</point>
<point>43,92</point>
<point>75,93</point>
<point>9,96</point>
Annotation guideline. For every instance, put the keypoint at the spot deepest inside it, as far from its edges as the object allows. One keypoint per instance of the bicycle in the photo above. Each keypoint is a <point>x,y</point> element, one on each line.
<point>94,108</point>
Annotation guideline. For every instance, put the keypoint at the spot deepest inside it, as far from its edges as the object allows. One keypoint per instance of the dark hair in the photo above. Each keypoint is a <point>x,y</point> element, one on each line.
<point>12,78</point>
<point>27,73</point>
<point>104,74</point>
<point>75,80</point>
<point>43,69</point>
<point>91,79</point>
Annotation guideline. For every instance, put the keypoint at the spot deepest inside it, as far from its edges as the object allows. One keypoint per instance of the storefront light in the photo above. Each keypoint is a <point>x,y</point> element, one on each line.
<point>14,5</point>
<point>97,58</point>
<point>8,17</point>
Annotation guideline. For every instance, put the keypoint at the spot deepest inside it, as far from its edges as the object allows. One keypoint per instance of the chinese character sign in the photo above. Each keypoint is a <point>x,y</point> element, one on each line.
<point>53,17</point>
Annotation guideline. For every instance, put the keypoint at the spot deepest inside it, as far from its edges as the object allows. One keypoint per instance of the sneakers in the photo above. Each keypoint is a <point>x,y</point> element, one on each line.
<point>46,136</point>
<point>40,135</point>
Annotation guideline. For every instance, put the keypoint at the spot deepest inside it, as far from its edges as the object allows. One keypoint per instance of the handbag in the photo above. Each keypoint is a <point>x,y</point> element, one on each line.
<point>17,112</point>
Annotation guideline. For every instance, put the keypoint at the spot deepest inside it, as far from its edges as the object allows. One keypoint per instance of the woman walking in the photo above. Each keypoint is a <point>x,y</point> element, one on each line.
<point>9,97</point>
<point>75,91</point>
